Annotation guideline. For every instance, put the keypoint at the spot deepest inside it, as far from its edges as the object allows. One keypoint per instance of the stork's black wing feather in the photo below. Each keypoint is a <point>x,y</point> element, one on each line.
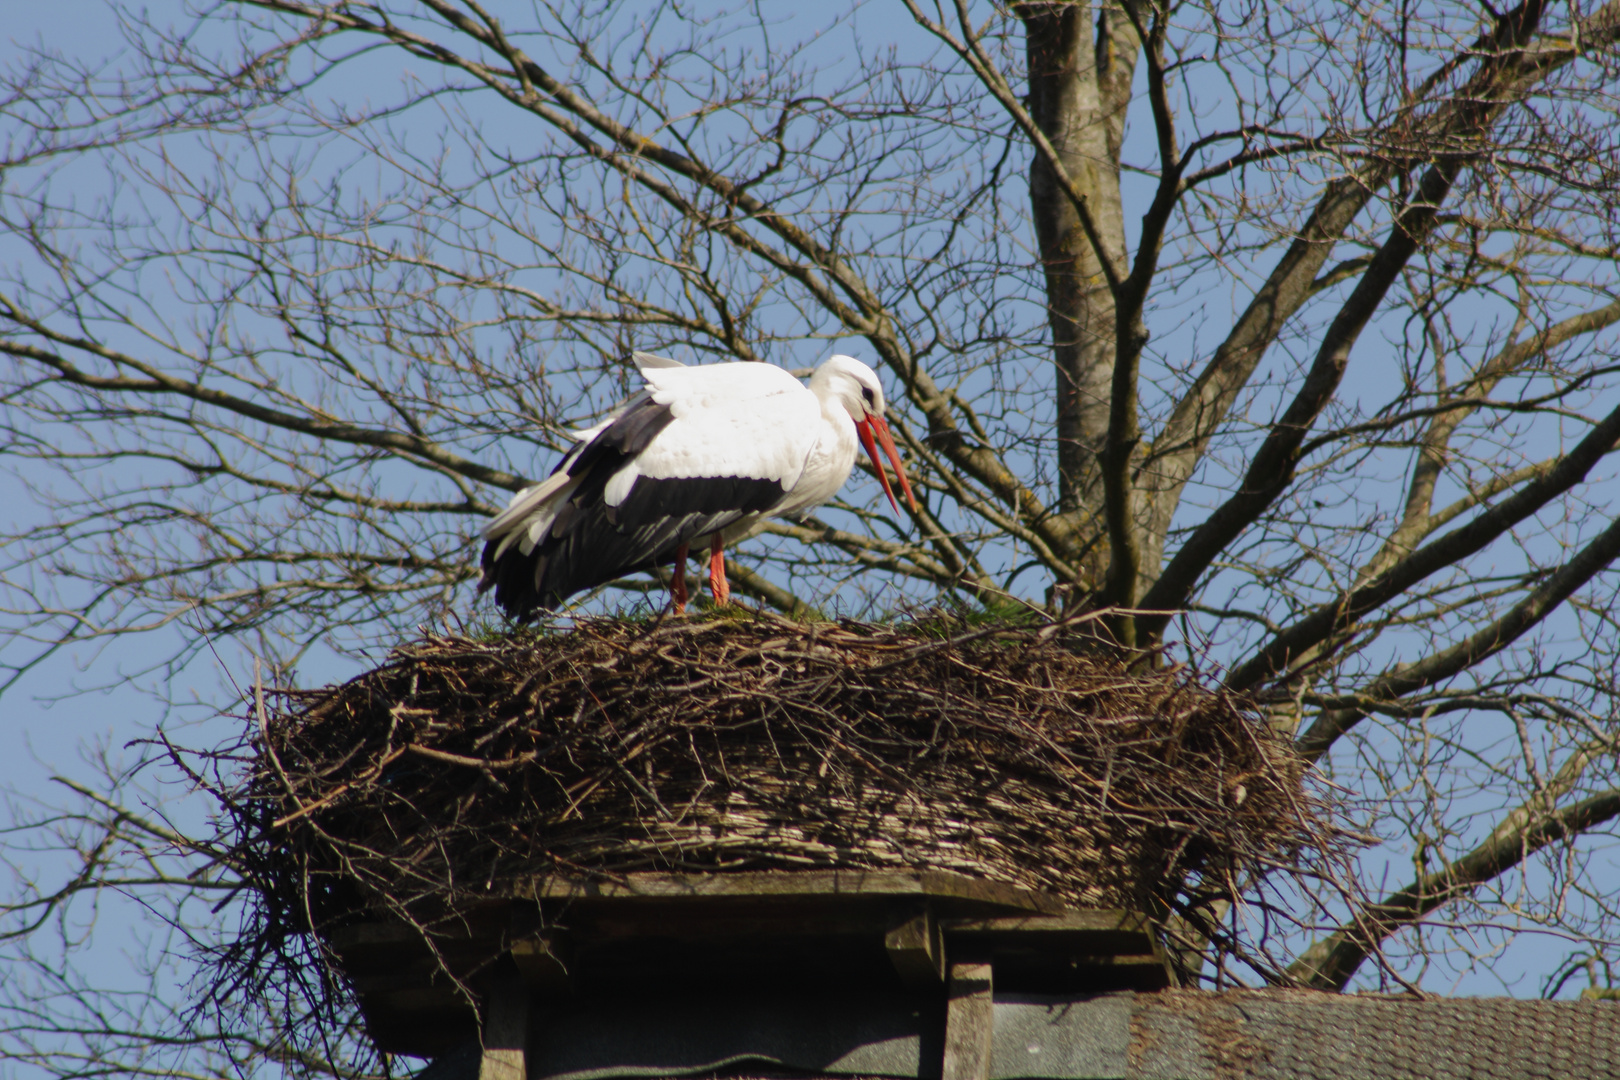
<point>593,543</point>
<point>650,527</point>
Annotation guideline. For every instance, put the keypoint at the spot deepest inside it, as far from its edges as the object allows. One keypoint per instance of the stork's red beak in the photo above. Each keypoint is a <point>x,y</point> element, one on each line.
<point>865,428</point>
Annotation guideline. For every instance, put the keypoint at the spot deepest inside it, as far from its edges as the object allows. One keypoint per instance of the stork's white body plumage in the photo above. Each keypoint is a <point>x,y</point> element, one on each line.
<point>699,453</point>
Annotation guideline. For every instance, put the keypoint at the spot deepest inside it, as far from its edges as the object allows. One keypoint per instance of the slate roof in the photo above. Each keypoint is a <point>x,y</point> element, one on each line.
<point>1265,1034</point>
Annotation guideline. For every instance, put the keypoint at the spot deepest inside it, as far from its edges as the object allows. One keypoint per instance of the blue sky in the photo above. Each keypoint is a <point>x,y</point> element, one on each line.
<point>108,696</point>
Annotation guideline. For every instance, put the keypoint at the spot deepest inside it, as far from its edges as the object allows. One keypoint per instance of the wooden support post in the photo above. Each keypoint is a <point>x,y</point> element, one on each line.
<point>917,949</point>
<point>506,1032</point>
<point>540,962</point>
<point>541,954</point>
<point>969,1023</point>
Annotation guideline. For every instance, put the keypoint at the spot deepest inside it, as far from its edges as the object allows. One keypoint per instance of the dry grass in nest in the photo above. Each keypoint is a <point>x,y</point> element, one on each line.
<point>708,745</point>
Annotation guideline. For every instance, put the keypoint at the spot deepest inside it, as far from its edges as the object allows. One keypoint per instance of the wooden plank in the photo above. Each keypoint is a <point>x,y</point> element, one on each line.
<point>958,890</point>
<point>969,1023</point>
<point>383,946</point>
<point>373,935</point>
<point>506,1032</point>
<point>542,954</point>
<point>418,999</point>
<point>1099,920</point>
<point>422,974</point>
<point>540,963</point>
<point>917,950</point>
<point>1101,949</point>
<point>1142,972</point>
<point>422,1021</point>
<point>1099,932</point>
<point>1094,920</point>
<point>711,919</point>
<point>378,947</point>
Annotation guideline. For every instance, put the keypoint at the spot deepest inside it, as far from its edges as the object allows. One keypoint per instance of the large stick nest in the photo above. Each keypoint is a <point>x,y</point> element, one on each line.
<point>1021,756</point>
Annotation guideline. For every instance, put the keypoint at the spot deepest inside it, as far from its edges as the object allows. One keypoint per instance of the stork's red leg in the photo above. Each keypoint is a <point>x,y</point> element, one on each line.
<point>717,572</point>
<point>677,584</point>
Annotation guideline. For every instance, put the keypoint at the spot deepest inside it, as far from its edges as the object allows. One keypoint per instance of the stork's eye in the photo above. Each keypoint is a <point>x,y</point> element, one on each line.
<point>871,401</point>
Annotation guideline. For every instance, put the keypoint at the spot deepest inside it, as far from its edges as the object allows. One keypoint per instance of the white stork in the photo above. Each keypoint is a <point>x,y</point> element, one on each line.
<point>698,453</point>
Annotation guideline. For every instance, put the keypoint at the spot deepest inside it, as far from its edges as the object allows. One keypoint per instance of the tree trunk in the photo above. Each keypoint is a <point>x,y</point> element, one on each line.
<point>1079,85</point>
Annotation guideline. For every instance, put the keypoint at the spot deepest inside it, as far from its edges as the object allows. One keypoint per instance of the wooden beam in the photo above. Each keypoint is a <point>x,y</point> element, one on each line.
<point>969,1023</point>
<point>954,890</point>
<point>540,963</point>
<point>541,953</point>
<point>1093,932</point>
<point>1115,949</point>
<point>1103,922</point>
<point>917,950</point>
<point>506,1032</point>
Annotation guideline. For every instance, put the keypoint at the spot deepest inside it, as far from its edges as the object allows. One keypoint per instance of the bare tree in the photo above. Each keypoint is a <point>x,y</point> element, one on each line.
<point>1287,331</point>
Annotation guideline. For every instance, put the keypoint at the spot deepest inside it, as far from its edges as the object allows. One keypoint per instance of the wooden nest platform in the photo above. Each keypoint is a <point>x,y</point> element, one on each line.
<point>460,794</point>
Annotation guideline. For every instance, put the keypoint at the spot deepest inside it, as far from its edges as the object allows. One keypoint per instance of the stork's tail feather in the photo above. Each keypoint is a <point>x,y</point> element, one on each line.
<point>508,564</point>
<point>531,500</point>
<point>516,579</point>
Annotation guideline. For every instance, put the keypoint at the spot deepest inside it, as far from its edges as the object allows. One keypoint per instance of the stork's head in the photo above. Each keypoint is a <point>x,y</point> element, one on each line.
<point>852,384</point>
